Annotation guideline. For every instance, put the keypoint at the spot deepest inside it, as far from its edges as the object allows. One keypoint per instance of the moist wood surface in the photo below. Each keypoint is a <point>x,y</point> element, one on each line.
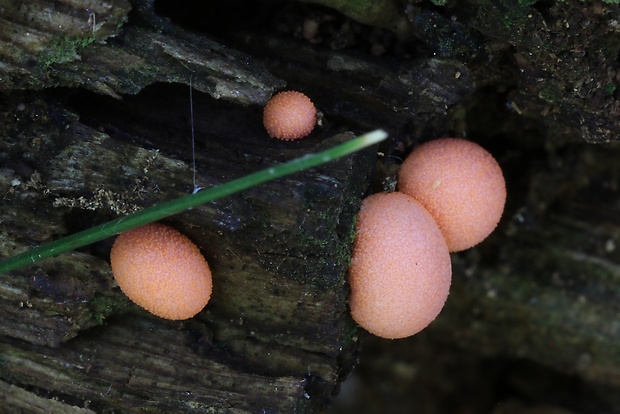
<point>94,124</point>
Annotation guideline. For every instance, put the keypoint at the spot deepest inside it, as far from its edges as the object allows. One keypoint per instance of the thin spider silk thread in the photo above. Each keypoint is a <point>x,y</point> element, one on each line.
<point>191,120</point>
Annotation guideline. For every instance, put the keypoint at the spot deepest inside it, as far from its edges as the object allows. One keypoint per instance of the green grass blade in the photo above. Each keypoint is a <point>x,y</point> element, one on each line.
<point>175,206</point>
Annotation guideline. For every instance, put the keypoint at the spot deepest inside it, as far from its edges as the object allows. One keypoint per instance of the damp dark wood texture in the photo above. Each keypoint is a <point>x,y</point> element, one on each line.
<point>276,336</point>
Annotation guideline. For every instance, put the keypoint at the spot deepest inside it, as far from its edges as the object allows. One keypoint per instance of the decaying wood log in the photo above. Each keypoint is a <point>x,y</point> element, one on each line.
<point>276,335</point>
<point>77,149</point>
<point>279,252</point>
<point>89,44</point>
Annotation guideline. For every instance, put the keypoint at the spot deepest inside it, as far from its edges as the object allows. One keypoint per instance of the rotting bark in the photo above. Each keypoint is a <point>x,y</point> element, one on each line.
<point>90,45</point>
<point>277,334</point>
<point>278,316</point>
<point>566,55</point>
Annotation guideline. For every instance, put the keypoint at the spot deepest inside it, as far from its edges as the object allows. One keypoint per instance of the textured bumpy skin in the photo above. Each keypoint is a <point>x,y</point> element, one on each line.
<point>460,184</point>
<point>400,271</point>
<point>289,115</point>
<point>161,270</point>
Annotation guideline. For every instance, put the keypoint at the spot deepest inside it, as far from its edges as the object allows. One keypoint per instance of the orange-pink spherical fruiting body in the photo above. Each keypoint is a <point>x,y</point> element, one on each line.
<point>460,184</point>
<point>161,270</point>
<point>289,115</point>
<point>400,271</point>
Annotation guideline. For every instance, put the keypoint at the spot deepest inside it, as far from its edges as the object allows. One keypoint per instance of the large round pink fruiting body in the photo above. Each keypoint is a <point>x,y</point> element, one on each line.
<point>400,270</point>
<point>289,115</point>
<point>460,184</point>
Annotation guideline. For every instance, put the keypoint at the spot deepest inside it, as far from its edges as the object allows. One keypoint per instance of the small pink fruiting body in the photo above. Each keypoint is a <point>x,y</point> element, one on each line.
<point>289,115</point>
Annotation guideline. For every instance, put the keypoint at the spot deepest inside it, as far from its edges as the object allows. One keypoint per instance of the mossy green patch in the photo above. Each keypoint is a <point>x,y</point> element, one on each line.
<point>610,88</point>
<point>64,50</point>
<point>104,306</point>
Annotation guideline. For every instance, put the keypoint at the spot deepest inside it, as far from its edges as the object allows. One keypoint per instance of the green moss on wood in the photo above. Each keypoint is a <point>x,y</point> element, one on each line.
<point>64,50</point>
